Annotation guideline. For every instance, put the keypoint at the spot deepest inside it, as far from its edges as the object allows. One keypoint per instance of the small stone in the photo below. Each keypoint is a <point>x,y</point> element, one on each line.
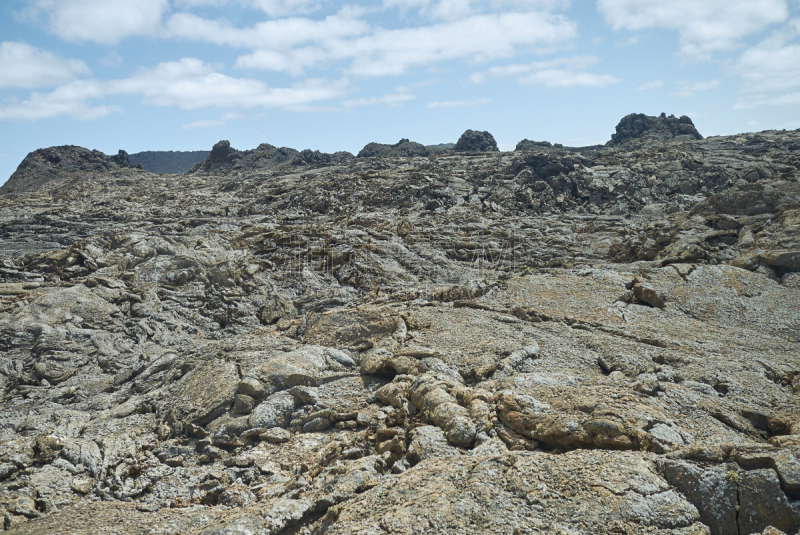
<point>460,431</point>
<point>647,383</point>
<point>647,294</point>
<point>275,411</point>
<point>82,485</point>
<point>6,469</point>
<point>276,435</point>
<point>236,496</point>
<point>243,404</point>
<point>147,507</point>
<point>316,425</point>
<point>213,452</point>
<point>306,395</point>
<point>340,356</point>
<point>251,387</point>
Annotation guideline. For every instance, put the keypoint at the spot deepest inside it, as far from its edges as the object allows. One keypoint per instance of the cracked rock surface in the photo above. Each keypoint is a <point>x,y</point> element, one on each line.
<point>552,340</point>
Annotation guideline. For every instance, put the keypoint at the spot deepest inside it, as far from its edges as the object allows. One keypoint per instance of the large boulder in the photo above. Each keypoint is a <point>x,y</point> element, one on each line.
<point>645,128</point>
<point>474,141</point>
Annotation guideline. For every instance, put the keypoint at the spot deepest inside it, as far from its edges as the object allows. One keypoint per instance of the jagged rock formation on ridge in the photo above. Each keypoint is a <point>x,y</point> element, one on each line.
<point>43,165</point>
<point>643,128</point>
<point>552,340</point>
<point>402,149</point>
<point>472,141</point>
<point>225,159</point>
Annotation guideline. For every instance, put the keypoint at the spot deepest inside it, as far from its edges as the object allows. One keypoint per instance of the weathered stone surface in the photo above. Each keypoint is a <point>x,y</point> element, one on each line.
<point>582,340</point>
<point>714,492</point>
<point>273,412</point>
<point>762,503</point>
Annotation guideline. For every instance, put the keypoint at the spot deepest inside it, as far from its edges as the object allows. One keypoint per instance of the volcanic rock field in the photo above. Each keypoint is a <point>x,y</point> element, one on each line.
<point>415,339</point>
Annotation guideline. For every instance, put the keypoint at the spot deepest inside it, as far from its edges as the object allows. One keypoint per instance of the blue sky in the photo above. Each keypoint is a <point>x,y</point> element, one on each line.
<point>183,74</point>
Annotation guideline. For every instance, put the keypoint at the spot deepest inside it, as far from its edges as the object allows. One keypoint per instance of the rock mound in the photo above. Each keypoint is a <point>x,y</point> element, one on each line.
<point>527,144</point>
<point>474,141</point>
<point>224,159</point>
<point>167,161</point>
<point>44,165</point>
<point>649,129</point>
<point>402,149</point>
<point>315,157</point>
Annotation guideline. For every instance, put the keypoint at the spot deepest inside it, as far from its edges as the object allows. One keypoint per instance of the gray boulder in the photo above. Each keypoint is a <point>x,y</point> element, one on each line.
<point>475,141</point>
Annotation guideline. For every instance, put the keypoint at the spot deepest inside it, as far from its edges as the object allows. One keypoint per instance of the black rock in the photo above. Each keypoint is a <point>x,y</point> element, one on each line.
<point>474,141</point>
<point>527,144</point>
<point>661,129</point>
<point>401,149</point>
<point>315,157</point>
<point>44,165</point>
<point>122,159</point>
<point>224,159</point>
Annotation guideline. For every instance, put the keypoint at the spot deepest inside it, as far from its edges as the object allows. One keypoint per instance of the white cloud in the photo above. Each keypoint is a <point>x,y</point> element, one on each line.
<point>459,103</point>
<point>650,85</point>
<point>788,99</point>
<point>222,121</point>
<point>705,26</point>
<point>416,85</point>
<point>190,84</point>
<point>293,45</point>
<point>772,65</point>
<point>187,84</point>
<point>393,99</point>
<point>73,99</point>
<point>273,8</point>
<point>475,39</point>
<point>100,21</point>
<point>22,65</point>
<point>111,60</point>
<point>554,78</point>
<point>273,35</point>
<point>459,9</point>
<point>279,8</point>
<point>689,89</point>
<point>770,68</point>
<point>557,73</point>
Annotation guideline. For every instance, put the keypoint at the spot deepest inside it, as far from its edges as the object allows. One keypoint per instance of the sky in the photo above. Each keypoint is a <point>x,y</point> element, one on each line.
<point>183,74</point>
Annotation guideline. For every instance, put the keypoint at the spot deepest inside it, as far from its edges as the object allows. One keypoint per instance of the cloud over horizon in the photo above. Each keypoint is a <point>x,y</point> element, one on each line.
<point>317,71</point>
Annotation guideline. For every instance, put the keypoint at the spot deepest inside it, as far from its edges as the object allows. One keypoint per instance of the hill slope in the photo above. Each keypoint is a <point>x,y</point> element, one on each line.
<point>555,340</point>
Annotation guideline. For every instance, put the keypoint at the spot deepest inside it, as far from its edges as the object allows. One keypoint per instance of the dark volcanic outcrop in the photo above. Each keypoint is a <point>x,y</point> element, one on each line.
<point>225,159</point>
<point>44,165</point>
<point>554,340</point>
<point>402,149</point>
<point>528,145</point>
<point>475,141</point>
<point>173,162</point>
<point>638,127</point>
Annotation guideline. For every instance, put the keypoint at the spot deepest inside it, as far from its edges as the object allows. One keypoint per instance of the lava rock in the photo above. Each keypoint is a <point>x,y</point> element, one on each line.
<point>475,141</point>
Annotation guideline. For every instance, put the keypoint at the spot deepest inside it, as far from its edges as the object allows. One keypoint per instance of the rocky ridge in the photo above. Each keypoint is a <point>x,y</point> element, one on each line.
<point>553,340</point>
